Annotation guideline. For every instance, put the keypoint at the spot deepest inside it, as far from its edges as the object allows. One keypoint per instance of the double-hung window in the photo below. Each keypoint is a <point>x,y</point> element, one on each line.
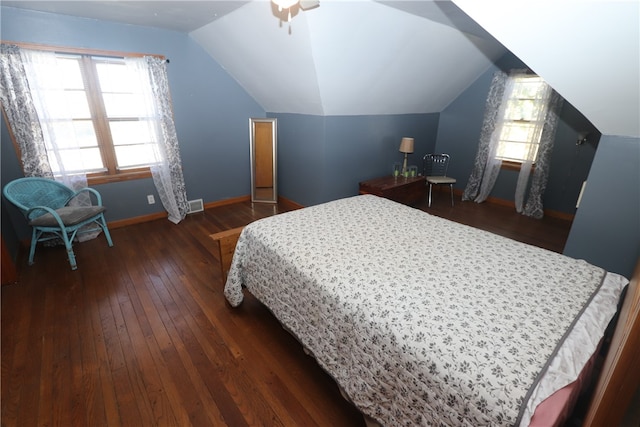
<point>525,106</point>
<point>98,117</point>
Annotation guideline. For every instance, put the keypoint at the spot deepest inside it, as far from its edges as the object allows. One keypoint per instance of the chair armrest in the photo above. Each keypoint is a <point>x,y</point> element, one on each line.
<point>90,190</point>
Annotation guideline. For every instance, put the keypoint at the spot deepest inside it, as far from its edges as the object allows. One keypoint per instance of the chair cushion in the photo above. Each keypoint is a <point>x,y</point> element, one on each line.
<point>70,215</point>
<point>441,180</point>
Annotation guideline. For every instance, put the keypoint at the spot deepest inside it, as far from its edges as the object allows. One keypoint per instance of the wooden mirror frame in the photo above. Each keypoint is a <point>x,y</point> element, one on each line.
<point>263,138</point>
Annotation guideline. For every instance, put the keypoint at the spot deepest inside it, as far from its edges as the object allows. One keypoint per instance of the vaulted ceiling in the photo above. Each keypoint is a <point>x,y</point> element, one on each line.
<point>346,58</point>
<point>393,57</point>
<point>587,50</point>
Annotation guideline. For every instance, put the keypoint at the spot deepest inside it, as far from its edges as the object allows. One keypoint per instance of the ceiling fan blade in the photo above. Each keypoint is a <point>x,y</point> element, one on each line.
<point>309,4</point>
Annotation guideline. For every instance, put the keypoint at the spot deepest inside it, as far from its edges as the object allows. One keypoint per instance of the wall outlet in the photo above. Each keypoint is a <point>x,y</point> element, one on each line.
<point>151,199</point>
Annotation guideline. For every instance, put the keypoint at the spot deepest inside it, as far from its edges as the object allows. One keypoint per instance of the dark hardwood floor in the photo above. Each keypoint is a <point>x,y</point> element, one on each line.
<point>549,232</point>
<point>141,334</point>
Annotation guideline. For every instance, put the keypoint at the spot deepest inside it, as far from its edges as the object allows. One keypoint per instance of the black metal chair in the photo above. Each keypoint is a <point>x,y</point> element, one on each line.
<point>435,172</point>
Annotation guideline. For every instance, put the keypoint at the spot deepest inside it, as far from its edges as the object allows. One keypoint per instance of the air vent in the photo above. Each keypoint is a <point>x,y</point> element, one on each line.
<point>195,206</point>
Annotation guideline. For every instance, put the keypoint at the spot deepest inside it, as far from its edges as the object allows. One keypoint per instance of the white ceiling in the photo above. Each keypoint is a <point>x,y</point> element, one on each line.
<point>392,57</point>
<point>346,58</point>
<point>183,16</point>
<point>587,50</point>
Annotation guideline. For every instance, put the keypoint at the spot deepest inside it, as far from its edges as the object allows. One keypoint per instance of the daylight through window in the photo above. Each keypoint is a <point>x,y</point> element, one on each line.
<point>98,115</point>
<point>524,113</point>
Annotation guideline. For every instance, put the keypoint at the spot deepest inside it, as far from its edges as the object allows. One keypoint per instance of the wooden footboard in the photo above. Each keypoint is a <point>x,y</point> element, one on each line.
<point>620,376</point>
<point>226,241</point>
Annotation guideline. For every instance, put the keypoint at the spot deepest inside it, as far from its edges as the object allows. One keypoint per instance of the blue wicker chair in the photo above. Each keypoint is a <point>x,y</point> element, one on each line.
<point>44,203</point>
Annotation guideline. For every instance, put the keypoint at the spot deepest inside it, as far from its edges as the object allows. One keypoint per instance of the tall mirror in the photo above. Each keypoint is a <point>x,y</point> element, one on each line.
<point>263,135</point>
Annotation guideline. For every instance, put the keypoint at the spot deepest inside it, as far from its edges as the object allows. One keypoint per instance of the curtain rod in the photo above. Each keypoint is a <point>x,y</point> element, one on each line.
<point>82,50</point>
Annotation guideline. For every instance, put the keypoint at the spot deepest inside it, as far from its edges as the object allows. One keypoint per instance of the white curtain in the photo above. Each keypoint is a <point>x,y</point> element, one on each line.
<point>538,121</point>
<point>21,113</point>
<point>39,115</point>
<point>36,104</point>
<point>534,206</point>
<point>46,83</point>
<point>167,170</point>
<point>487,167</point>
<point>494,164</point>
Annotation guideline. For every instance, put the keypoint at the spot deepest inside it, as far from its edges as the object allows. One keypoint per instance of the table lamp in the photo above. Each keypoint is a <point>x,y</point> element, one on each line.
<point>406,147</point>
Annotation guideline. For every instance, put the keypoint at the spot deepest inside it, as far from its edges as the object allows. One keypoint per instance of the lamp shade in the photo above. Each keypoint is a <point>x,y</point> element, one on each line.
<point>406,145</point>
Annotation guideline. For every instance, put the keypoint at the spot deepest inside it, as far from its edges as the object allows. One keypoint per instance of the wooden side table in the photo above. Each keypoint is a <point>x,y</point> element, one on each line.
<point>400,189</point>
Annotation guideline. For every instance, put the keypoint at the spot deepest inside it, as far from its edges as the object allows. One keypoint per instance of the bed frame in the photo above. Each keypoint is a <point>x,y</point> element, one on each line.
<point>226,242</point>
<point>619,377</point>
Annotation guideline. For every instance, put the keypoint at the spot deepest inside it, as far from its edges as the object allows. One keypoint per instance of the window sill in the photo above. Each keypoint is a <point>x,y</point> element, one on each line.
<point>514,166</point>
<point>123,176</point>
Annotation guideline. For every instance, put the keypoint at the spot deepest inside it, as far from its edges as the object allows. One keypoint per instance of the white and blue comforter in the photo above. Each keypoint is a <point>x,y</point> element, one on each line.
<point>420,320</point>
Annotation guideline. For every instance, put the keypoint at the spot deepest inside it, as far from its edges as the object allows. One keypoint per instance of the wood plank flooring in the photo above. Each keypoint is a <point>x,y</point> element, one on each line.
<point>141,335</point>
<point>549,232</point>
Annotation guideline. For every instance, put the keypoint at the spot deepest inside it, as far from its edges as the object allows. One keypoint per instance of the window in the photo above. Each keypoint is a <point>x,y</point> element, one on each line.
<point>99,117</point>
<point>526,99</point>
<point>106,113</point>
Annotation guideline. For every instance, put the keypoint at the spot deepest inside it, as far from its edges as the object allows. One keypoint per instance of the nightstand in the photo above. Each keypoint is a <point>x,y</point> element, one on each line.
<point>404,190</point>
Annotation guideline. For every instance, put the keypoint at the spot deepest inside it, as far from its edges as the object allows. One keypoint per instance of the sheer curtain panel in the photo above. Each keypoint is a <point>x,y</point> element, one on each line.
<point>532,131</point>
<point>21,113</point>
<point>486,166</point>
<point>47,83</point>
<point>46,100</point>
<point>167,169</point>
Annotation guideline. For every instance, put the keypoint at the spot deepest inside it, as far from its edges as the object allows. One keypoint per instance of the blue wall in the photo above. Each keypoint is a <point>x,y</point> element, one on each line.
<point>459,133</point>
<point>322,158</point>
<point>606,229</point>
<point>211,110</point>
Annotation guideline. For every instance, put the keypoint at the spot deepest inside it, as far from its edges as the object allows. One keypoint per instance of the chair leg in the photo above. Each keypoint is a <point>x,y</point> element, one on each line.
<point>32,249</point>
<point>451,185</point>
<point>69,247</point>
<point>430,187</point>
<point>103,224</point>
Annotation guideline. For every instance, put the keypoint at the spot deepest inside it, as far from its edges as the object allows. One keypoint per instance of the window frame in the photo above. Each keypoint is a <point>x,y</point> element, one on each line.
<point>513,164</point>
<point>98,113</point>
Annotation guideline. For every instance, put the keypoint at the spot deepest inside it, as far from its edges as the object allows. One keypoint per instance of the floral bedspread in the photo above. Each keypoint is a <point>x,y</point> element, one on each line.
<point>420,320</point>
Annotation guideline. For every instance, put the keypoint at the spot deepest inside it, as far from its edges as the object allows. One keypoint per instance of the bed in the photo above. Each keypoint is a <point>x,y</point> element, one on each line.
<point>419,319</point>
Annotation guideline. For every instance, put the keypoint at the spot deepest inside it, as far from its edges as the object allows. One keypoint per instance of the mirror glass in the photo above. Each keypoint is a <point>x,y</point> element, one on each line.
<point>263,139</point>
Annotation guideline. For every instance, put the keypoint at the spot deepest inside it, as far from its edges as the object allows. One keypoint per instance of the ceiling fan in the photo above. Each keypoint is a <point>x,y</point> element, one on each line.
<point>287,9</point>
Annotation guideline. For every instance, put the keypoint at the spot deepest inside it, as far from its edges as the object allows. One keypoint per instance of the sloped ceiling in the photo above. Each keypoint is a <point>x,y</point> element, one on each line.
<point>361,57</point>
<point>347,57</point>
<point>588,51</point>
<point>353,57</point>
